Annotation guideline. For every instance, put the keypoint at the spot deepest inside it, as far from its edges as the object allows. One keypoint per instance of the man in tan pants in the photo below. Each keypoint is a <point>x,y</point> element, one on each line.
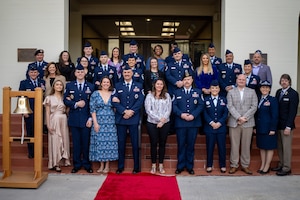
<point>242,105</point>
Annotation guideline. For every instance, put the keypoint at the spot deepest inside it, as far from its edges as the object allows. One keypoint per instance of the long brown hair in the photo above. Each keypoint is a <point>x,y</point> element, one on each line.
<point>164,90</point>
<point>53,90</point>
<point>57,72</point>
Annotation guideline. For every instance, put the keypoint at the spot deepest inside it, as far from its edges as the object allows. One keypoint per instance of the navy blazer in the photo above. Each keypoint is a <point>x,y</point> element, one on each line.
<point>288,107</point>
<point>214,113</point>
<point>78,116</point>
<point>111,73</point>
<point>129,100</point>
<point>254,83</point>
<point>266,117</point>
<point>187,103</point>
<point>27,85</point>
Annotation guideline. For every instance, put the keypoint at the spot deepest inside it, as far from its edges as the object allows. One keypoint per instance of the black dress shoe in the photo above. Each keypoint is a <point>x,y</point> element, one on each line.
<point>283,173</point>
<point>30,156</point>
<point>74,170</point>
<point>191,171</point>
<point>178,171</point>
<point>135,171</point>
<point>277,169</point>
<point>89,170</point>
<point>119,171</point>
<point>262,172</point>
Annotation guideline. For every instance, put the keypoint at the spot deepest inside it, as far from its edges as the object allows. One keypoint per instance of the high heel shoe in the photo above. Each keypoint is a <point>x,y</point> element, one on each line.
<point>262,172</point>
<point>106,170</point>
<point>153,169</point>
<point>161,169</point>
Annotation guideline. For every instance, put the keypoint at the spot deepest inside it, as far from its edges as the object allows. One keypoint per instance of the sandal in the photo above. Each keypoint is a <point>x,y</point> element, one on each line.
<point>161,169</point>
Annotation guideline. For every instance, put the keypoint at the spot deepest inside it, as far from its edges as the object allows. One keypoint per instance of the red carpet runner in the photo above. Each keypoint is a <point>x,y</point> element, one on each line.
<point>142,186</point>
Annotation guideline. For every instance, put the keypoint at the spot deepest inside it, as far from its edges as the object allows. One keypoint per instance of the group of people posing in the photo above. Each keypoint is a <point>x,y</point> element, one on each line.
<point>103,100</point>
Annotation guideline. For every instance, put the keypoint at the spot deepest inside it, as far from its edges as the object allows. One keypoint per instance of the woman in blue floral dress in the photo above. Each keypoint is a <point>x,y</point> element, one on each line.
<point>104,141</point>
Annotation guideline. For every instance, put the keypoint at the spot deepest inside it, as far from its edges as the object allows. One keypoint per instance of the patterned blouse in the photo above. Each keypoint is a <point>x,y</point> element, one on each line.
<point>158,108</point>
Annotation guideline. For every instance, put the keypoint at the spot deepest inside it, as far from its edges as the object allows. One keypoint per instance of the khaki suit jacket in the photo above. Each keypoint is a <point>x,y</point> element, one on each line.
<point>241,108</point>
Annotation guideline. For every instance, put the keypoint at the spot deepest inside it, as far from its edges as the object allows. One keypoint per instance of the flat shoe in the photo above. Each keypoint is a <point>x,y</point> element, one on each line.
<point>223,170</point>
<point>57,169</point>
<point>209,169</point>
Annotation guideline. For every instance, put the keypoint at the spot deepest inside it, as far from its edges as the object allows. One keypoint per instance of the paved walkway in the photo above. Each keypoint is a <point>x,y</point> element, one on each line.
<point>85,187</point>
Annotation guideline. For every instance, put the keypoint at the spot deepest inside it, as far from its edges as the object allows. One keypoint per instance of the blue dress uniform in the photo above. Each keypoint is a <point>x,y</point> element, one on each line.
<point>216,61</point>
<point>186,131</point>
<point>175,72</point>
<point>266,119</point>
<point>27,85</point>
<point>138,75</point>
<point>108,71</point>
<point>132,100</point>
<point>253,82</point>
<point>41,66</point>
<point>227,76</point>
<point>218,113</point>
<point>140,61</point>
<point>77,122</point>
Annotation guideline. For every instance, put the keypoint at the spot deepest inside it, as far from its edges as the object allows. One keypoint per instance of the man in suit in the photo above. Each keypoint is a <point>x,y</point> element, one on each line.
<point>252,81</point>
<point>104,69</point>
<point>76,97</point>
<point>187,106</point>
<point>213,58</point>
<point>30,84</point>
<point>228,73</point>
<point>242,105</point>
<point>174,71</point>
<point>133,49</point>
<point>128,100</point>
<point>288,99</point>
<point>39,63</point>
<point>259,69</point>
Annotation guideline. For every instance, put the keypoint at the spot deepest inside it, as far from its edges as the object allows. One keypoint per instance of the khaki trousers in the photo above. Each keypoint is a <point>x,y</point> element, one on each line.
<point>240,136</point>
<point>284,148</point>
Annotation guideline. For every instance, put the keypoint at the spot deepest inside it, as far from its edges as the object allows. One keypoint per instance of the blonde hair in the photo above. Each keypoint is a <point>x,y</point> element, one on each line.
<point>200,68</point>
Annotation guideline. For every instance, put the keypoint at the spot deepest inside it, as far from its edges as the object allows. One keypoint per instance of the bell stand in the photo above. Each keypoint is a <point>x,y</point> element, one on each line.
<point>20,179</point>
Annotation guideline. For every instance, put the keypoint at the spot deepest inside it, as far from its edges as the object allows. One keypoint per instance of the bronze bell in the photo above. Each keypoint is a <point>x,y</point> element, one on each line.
<point>23,106</point>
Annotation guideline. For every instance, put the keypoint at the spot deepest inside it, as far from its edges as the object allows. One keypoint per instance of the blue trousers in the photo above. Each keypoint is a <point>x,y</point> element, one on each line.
<point>29,123</point>
<point>186,138</point>
<point>134,137</point>
<point>81,142</point>
<point>211,140</point>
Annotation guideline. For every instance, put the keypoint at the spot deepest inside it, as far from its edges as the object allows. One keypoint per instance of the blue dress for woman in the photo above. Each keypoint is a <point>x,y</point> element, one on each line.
<point>103,144</point>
